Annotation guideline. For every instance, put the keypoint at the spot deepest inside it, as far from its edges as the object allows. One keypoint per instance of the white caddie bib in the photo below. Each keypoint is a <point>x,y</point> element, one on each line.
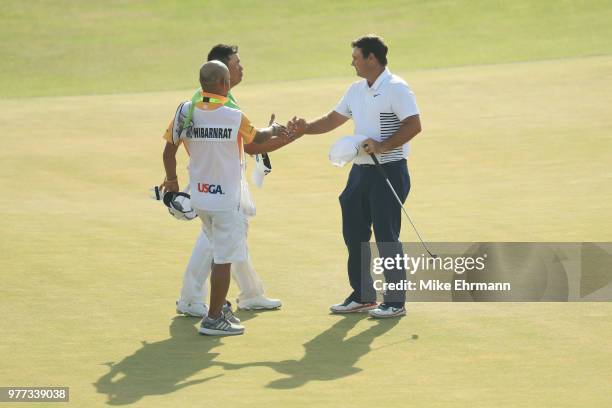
<point>214,146</point>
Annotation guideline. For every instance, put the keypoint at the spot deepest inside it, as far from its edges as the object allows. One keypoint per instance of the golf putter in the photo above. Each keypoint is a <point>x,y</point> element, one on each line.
<point>384,174</point>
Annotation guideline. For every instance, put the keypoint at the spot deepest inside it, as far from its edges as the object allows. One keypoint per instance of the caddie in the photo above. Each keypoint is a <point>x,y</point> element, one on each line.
<point>252,292</point>
<point>214,137</point>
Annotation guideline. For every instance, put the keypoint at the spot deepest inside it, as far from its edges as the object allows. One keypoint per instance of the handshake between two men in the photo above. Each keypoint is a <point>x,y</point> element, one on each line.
<point>297,127</point>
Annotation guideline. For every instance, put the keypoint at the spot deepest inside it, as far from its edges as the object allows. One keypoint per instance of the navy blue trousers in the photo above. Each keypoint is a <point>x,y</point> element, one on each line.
<point>366,202</point>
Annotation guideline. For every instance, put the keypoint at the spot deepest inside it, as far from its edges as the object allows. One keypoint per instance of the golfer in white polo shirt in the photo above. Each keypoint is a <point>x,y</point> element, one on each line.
<point>214,138</point>
<point>383,108</point>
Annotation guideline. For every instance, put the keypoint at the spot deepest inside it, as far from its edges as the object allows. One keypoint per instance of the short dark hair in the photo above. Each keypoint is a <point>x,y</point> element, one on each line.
<point>374,44</point>
<point>222,52</point>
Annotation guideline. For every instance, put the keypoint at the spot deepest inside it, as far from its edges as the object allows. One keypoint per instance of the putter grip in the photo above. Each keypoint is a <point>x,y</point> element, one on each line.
<point>373,156</point>
<point>378,166</point>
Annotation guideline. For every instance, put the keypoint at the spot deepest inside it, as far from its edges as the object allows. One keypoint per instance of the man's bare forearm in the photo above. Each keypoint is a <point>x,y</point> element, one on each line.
<point>169,158</point>
<point>274,129</point>
<point>268,146</point>
<point>325,123</point>
<point>263,134</point>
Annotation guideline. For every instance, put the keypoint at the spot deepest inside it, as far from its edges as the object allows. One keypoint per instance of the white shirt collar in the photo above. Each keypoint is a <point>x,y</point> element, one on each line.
<point>381,78</point>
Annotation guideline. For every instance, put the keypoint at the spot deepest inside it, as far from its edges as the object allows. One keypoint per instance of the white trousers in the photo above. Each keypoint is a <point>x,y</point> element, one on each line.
<point>195,287</point>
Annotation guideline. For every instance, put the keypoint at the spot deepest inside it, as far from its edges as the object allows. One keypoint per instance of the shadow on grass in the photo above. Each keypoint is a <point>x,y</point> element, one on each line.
<point>161,367</point>
<point>327,357</point>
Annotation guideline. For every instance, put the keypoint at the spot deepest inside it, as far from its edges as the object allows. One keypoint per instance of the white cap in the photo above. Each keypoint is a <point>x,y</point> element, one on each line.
<point>178,204</point>
<point>260,170</point>
<point>345,149</point>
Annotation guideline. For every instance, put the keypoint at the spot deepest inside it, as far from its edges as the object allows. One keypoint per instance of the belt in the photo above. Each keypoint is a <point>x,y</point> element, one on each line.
<point>383,164</point>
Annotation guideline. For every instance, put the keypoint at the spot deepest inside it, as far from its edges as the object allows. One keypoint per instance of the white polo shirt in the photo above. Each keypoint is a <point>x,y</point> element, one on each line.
<point>377,112</point>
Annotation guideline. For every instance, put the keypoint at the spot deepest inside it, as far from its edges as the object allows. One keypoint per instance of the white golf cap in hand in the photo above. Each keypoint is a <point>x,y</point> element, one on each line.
<point>345,149</point>
<point>262,168</point>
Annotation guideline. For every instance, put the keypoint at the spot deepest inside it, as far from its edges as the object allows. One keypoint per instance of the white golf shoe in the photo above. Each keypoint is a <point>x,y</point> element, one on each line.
<point>259,303</point>
<point>383,311</point>
<point>195,309</point>
<point>350,306</point>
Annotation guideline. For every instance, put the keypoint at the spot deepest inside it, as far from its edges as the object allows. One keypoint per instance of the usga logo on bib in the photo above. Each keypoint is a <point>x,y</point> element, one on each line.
<point>210,188</point>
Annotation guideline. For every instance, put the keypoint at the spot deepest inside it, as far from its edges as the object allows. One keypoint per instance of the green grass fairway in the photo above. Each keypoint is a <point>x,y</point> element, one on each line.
<point>516,111</point>
<point>64,47</point>
<point>91,267</point>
